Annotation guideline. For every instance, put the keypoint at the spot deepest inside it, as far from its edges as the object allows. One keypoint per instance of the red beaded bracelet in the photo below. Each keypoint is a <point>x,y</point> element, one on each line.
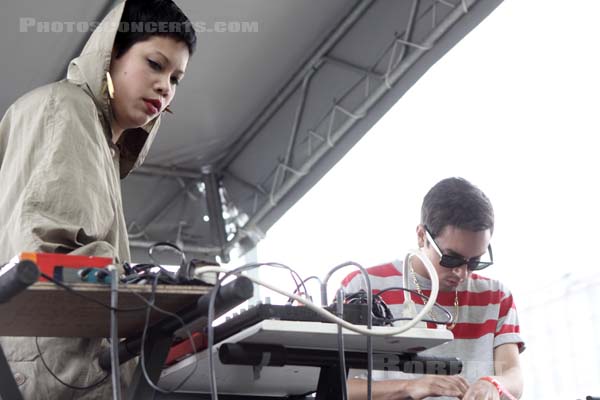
<point>499,388</point>
<point>493,382</point>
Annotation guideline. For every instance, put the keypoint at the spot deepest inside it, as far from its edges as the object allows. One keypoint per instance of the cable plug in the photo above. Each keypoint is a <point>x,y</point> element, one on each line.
<point>409,310</point>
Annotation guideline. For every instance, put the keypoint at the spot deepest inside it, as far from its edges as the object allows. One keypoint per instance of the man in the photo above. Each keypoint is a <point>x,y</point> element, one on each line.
<point>457,222</point>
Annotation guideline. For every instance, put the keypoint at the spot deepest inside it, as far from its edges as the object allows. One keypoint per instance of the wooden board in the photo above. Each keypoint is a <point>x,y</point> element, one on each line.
<point>45,309</point>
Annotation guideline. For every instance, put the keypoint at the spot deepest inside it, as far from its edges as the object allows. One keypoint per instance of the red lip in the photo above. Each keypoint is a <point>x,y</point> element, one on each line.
<point>153,106</point>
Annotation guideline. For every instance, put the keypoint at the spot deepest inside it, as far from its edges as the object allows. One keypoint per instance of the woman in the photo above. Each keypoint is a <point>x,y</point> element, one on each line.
<point>64,148</point>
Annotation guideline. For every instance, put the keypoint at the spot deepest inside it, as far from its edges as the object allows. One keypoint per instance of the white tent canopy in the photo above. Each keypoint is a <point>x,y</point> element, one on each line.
<point>277,92</point>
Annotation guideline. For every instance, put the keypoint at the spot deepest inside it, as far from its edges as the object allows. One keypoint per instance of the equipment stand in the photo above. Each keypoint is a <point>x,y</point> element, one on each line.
<point>13,282</point>
<point>156,350</point>
<point>159,337</point>
<point>329,386</point>
<point>8,387</point>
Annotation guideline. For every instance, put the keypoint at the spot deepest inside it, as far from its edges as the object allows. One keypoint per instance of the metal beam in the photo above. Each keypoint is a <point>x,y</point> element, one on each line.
<point>296,80</point>
<point>159,210</point>
<point>352,67</point>
<point>215,213</point>
<point>259,190</point>
<point>210,250</point>
<point>333,136</point>
<point>289,154</point>
<point>158,170</point>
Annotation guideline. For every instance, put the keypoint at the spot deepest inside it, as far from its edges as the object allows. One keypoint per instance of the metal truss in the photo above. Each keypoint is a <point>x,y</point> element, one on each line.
<point>375,80</point>
<point>305,147</point>
<point>188,181</point>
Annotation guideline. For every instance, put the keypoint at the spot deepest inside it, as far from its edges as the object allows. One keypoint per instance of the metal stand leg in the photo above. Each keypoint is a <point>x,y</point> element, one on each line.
<point>8,387</point>
<point>13,282</point>
<point>329,386</point>
<point>156,350</point>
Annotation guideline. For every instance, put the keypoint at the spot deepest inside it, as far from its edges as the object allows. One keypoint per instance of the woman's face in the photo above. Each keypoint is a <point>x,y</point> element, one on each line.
<point>145,79</point>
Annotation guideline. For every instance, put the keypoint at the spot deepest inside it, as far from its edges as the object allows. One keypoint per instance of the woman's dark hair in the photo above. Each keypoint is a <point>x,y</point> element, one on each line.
<point>456,202</point>
<point>143,19</point>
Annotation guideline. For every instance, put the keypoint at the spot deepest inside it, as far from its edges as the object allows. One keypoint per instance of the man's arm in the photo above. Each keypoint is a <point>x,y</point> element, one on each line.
<point>508,374</point>
<point>414,389</point>
<point>508,368</point>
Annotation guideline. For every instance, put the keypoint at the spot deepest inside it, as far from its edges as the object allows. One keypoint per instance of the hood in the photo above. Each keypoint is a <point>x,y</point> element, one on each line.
<point>89,69</point>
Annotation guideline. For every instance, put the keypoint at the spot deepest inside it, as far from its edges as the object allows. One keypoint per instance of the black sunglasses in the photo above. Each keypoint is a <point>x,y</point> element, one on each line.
<point>455,261</point>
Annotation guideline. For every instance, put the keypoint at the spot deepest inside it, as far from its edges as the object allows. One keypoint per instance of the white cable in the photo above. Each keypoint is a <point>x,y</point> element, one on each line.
<point>355,328</point>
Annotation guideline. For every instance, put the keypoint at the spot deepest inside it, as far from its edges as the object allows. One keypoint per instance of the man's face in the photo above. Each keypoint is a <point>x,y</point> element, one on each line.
<point>145,79</point>
<point>455,242</point>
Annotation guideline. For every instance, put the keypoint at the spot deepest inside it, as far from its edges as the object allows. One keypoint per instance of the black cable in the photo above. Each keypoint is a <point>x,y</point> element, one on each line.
<point>302,282</point>
<point>92,386</point>
<point>298,281</point>
<point>211,339</point>
<point>283,266</point>
<point>150,305</point>
<point>182,264</point>
<point>114,335</point>
<point>193,344</point>
<point>425,299</point>
<point>72,291</point>
<point>290,300</point>
<point>383,314</point>
<point>211,317</point>
<point>145,331</point>
<point>340,343</point>
<point>367,280</point>
<point>380,309</point>
<point>166,244</point>
<point>146,308</point>
<point>142,273</point>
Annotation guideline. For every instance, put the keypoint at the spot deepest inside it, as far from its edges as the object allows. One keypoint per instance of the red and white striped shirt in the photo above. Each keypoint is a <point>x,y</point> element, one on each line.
<point>487,316</point>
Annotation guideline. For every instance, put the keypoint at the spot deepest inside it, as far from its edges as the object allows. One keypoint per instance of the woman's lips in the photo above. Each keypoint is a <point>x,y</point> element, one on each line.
<point>151,109</point>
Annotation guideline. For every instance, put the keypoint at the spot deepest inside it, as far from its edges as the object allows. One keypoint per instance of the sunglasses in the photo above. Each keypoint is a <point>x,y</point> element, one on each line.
<point>449,261</point>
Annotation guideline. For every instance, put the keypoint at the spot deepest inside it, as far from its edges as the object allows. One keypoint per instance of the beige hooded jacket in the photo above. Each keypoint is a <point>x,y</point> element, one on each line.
<point>60,193</point>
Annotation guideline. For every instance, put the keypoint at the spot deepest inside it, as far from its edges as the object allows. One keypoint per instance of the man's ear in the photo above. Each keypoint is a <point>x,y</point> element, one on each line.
<point>421,239</point>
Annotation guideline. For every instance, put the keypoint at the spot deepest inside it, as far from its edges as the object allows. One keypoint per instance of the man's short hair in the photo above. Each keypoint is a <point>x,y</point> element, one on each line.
<point>459,203</point>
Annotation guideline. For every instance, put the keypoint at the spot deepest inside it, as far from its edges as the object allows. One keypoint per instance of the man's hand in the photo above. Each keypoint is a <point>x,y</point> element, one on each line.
<point>431,386</point>
<point>482,390</point>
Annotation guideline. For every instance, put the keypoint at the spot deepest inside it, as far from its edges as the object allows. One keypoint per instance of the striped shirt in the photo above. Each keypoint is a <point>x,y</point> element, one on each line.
<point>487,317</point>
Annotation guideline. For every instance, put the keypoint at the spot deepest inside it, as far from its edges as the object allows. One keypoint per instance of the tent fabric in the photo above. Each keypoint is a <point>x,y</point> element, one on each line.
<point>276,94</point>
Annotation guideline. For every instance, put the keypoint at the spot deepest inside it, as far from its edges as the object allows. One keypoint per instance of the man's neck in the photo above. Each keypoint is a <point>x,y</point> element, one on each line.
<point>418,267</point>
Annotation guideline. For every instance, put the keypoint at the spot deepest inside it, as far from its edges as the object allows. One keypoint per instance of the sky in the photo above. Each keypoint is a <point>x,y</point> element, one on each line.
<point>514,109</point>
